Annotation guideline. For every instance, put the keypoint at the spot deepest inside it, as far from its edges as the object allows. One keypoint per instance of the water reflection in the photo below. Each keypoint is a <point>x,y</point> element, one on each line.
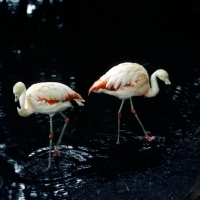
<point>74,162</point>
<point>30,8</point>
<point>17,191</point>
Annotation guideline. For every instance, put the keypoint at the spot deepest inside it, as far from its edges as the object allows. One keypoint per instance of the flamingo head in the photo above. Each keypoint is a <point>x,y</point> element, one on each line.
<point>163,76</point>
<point>18,89</point>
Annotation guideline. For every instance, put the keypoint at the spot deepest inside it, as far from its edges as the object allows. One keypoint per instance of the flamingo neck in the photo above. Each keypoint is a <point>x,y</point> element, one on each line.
<point>153,91</point>
<point>22,99</point>
<point>23,111</point>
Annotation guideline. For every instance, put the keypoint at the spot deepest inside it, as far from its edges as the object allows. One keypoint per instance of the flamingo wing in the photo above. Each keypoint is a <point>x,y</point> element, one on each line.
<point>51,93</point>
<point>122,76</point>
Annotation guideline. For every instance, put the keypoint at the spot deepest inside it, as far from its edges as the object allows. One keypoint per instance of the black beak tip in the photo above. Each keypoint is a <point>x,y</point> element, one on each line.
<point>168,90</point>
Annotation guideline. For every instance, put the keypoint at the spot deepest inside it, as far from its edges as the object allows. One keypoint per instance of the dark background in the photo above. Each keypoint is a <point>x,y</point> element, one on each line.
<point>94,36</point>
<point>75,42</point>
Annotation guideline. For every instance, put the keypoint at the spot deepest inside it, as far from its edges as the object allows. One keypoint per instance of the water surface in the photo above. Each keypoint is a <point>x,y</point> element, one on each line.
<point>75,43</point>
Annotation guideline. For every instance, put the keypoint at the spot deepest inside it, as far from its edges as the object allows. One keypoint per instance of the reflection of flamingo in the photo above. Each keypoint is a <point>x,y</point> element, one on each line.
<point>46,98</point>
<point>126,80</point>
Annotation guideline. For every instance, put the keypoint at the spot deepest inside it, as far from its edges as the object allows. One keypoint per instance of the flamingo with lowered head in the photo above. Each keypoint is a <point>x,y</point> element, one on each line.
<point>46,98</point>
<point>126,80</point>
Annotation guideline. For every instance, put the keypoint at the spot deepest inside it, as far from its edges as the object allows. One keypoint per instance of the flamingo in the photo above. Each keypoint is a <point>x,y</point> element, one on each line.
<point>126,80</point>
<point>46,98</point>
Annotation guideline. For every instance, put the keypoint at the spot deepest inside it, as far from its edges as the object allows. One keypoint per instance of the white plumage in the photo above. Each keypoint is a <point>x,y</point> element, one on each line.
<point>126,80</point>
<point>46,98</point>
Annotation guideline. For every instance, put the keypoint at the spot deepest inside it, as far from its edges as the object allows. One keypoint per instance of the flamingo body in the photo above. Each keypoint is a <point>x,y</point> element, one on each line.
<point>44,98</point>
<point>123,81</point>
<point>126,80</point>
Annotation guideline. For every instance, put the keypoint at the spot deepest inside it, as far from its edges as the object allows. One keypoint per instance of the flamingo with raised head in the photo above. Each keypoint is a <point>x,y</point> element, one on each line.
<point>126,80</point>
<point>46,98</point>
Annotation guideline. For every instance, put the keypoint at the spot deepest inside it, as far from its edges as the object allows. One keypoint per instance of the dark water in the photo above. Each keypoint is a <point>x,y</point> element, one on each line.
<point>75,43</point>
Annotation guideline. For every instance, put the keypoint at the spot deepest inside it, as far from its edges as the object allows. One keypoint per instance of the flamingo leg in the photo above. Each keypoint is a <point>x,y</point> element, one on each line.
<point>145,133</point>
<point>119,116</point>
<point>56,151</point>
<point>50,143</point>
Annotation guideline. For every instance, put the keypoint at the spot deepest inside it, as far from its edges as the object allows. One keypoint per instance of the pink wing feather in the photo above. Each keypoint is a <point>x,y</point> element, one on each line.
<point>124,75</point>
<point>52,93</point>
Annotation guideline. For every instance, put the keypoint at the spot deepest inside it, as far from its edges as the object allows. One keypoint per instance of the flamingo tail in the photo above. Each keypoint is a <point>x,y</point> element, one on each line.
<point>98,85</point>
<point>76,97</point>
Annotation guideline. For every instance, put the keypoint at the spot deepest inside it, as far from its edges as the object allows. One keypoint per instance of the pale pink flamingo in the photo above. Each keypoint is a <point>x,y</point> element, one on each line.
<point>46,98</point>
<point>126,80</point>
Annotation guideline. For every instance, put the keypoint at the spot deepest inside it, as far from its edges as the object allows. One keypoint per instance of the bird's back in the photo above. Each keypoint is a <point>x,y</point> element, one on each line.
<point>50,90</point>
<point>124,73</point>
<point>49,97</point>
<point>126,67</point>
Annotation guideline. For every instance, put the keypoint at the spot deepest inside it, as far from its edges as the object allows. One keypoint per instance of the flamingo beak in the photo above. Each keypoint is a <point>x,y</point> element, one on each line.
<point>18,103</point>
<point>16,98</point>
<point>167,82</point>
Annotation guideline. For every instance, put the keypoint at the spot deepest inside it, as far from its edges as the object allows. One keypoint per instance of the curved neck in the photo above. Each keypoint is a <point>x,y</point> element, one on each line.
<point>22,99</point>
<point>23,111</point>
<point>153,91</point>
